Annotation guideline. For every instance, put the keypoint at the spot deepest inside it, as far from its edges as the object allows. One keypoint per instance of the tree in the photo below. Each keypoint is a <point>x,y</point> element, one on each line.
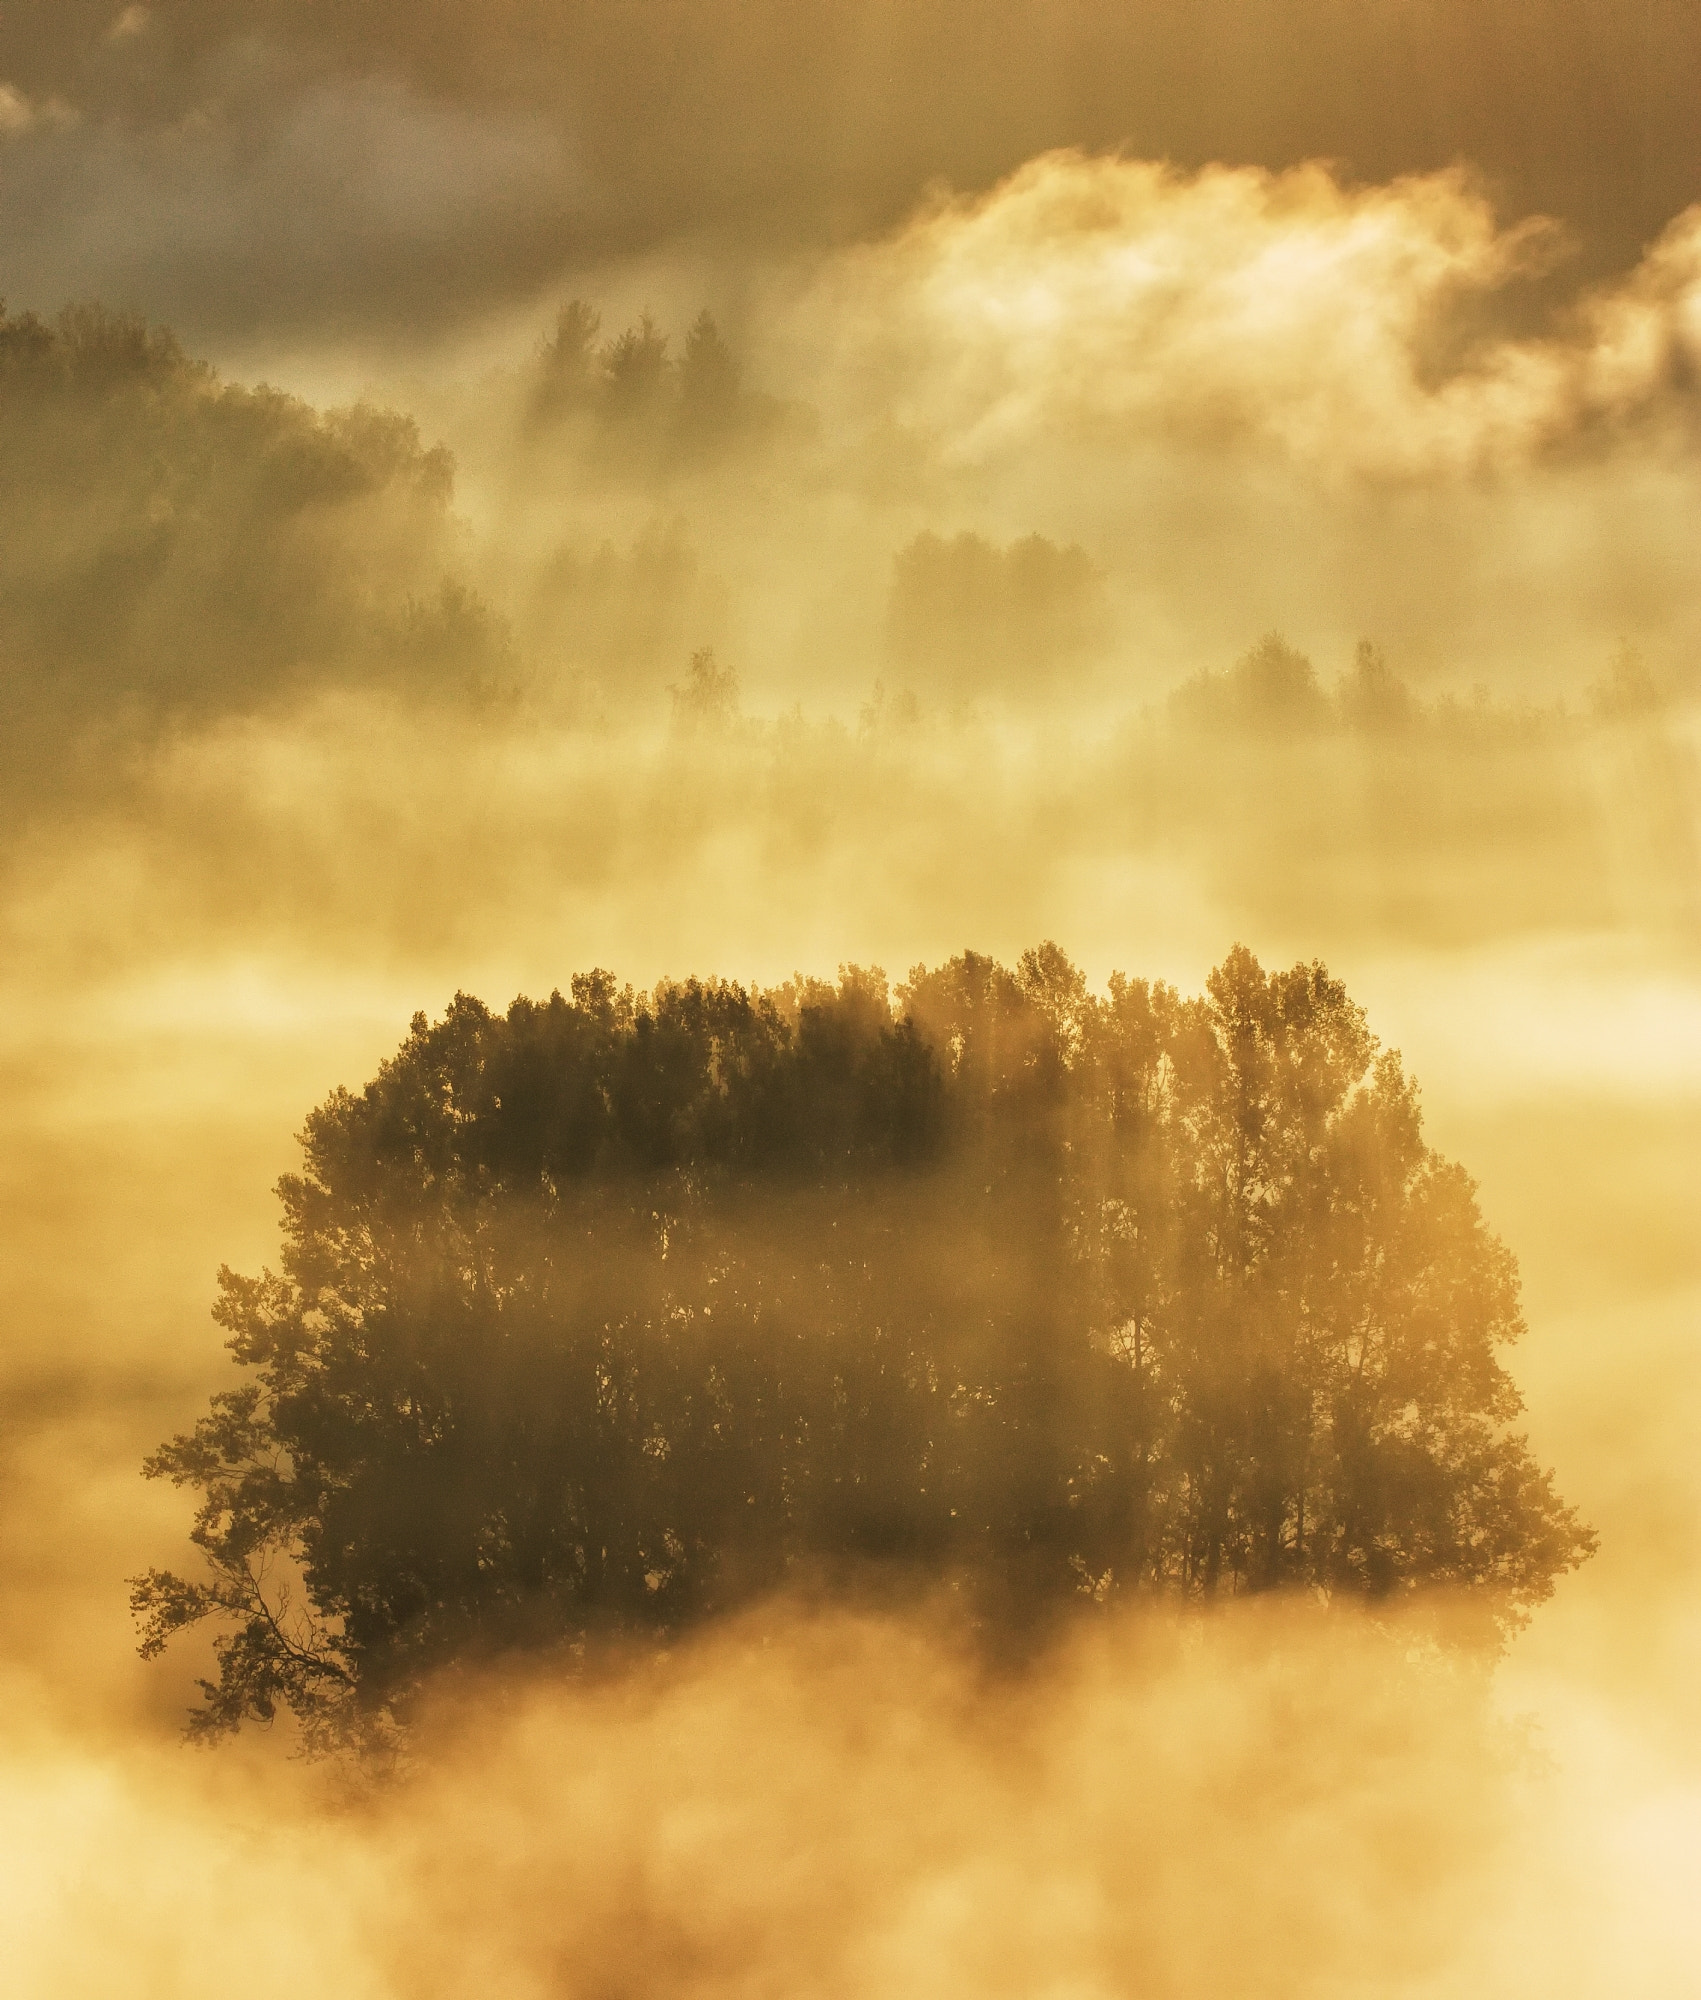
<point>608,1314</point>
<point>1271,691</point>
<point>566,373</point>
<point>635,367</point>
<point>707,699</point>
<point>708,377</point>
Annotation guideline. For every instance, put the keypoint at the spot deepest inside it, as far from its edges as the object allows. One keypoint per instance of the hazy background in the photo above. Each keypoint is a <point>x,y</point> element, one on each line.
<point>1013,443</point>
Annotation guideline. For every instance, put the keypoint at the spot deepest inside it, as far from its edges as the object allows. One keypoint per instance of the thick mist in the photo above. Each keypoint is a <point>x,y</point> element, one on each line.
<point>1150,556</point>
<point>828,1804</point>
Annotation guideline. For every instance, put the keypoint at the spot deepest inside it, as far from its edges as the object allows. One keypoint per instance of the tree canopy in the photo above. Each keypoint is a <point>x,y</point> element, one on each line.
<point>610,1313</point>
<point>174,547</point>
<point>640,407</point>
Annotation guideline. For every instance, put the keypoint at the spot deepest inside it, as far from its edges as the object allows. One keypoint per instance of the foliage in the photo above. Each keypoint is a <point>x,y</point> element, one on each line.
<point>631,389</point>
<point>174,547</point>
<point>976,615</point>
<point>707,699</point>
<point>609,1313</point>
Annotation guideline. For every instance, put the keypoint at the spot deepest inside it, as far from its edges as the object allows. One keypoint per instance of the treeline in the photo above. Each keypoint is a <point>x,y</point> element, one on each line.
<point>694,398</point>
<point>1275,692</point>
<point>968,616</point>
<point>173,546</point>
<point>604,1315</point>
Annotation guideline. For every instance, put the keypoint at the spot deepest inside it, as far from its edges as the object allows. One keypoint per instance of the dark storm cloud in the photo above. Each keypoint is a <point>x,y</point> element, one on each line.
<point>285,199</point>
<point>283,163</point>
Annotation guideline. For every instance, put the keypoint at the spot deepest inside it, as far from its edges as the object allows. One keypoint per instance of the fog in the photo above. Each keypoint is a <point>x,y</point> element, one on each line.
<point>840,1806</point>
<point>1148,549</point>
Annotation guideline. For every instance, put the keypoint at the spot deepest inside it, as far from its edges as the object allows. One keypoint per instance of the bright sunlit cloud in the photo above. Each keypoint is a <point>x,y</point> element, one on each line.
<point>1287,311</point>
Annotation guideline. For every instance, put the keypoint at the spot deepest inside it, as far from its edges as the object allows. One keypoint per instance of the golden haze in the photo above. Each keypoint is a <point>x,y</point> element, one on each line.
<point>319,713</point>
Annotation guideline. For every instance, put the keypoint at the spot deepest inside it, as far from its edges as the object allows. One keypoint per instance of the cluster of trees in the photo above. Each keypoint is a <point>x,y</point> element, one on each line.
<point>706,700</point>
<point>631,382</point>
<point>606,1314</point>
<point>974,617</point>
<point>1274,692</point>
<point>173,545</point>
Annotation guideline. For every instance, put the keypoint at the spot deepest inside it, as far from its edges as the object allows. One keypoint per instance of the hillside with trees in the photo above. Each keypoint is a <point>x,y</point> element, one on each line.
<point>176,549</point>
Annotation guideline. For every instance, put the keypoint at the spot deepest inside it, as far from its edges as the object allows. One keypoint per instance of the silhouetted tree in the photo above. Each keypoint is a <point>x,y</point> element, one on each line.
<point>635,367</point>
<point>642,409</point>
<point>707,698</point>
<point>608,1313</point>
<point>1271,691</point>
<point>708,377</point>
<point>567,359</point>
<point>1373,698</point>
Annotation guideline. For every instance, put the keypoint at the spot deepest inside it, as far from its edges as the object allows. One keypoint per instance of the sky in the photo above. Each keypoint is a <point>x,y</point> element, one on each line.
<point>244,170</point>
<point>1161,478</point>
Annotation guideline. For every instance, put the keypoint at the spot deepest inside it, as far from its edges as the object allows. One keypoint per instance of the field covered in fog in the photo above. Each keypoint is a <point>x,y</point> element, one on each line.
<point>844,566</point>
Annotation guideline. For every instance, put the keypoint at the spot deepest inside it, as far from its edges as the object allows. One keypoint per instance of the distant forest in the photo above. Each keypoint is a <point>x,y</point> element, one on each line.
<point>613,1313</point>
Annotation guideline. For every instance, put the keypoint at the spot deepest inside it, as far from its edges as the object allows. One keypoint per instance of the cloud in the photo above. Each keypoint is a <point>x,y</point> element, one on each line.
<point>19,114</point>
<point>1093,298</point>
<point>770,127</point>
<point>322,202</point>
